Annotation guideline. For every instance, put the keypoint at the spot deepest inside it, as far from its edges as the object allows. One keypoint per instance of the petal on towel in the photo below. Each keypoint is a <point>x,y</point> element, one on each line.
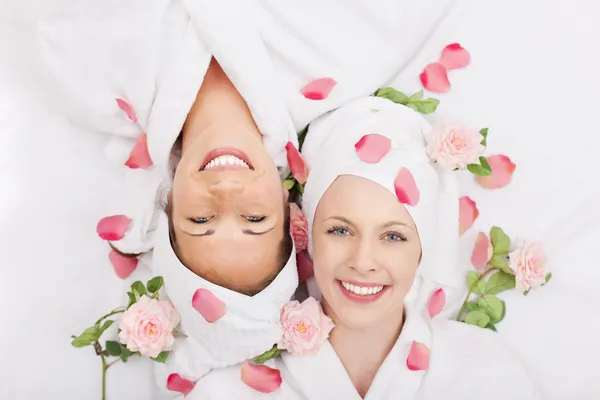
<point>483,251</point>
<point>123,266</point>
<point>176,383</point>
<point>406,188</point>
<point>261,377</point>
<point>318,89</point>
<point>296,163</point>
<point>437,302</point>
<point>418,358</point>
<point>502,171</point>
<point>455,56</point>
<point>113,228</point>
<point>139,156</point>
<point>128,109</point>
<point>467,213</point>
<point>373,147</point>
<point>305,266</point>
<point>435,78</point>
<point>208,305</point>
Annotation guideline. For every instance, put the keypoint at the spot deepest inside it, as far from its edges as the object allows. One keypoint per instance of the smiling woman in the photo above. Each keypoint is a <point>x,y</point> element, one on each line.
<point>228,212</point>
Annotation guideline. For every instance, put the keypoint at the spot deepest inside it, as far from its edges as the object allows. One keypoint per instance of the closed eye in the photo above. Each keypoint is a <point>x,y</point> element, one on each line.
<point>200,220</point>
<point>255,218</point>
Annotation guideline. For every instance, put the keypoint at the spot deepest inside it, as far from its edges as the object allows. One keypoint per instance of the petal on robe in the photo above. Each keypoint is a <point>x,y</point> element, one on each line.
<point>372,148</point>
<point>208,305</point>
<point>113,227</point>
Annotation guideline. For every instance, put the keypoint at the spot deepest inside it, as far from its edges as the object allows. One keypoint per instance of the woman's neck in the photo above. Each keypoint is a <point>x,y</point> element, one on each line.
<point>362,351</point>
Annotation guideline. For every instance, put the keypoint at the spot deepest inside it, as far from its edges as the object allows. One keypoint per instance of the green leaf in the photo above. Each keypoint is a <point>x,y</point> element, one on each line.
<point>525,293</point>
<point>113,348</point>
<point>132,299</point>
<point>477,318</point>
<point>88,336</point>
<point>484,133</point>
<point>393,95</point>
<point>472,276</point>
<point>289,184</point>
<point>301,137</point>
<point>414,106</point>
<point>472,306</point>
<point>138,289</point>
<point>155,284</point>
<point>300,188</point>
<point>491,327</point>
<point>428,106</point>
<point>500,263</point>
<point>477,169</point>
<point>493,307</point>
<point>548,277</point>
<point>161,358</point>
<point>267,355</point>
<point>416,97</point>
<point>485,165</point>
<point>499,282</point>
<point>126,353</point>
<point>500,241</point>
<point>105,326</point>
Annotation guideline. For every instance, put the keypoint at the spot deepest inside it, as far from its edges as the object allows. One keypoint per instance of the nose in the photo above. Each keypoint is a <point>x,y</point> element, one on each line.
<point>363,261</point>
<point>226,188</point>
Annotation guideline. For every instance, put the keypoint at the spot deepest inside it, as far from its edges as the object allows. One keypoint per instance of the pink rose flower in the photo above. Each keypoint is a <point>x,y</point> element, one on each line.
<point>455,145</point>
<point>528,263</point>
<point>305,327</point>
<point>298,228</point>
<point>147,326</point>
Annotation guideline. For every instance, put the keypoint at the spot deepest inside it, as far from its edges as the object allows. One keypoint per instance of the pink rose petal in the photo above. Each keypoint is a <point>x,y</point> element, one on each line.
<point>123,266</point>
<point>318,89</point>
<point>436,303</point>
<point>406,188</point>
<point>467,213</point>
<point>502,171</point>
<point>455,56</point>
<point>418,358</point>
<point>176,383</point>
<point>139,156</point>
<point>305,266</point>
<point>296,163</point>
<point>435,78</point>
<point>261,377</point>
<point>208,305</point>
<point>128,109</point>
<point>483,251</point>
<point>373,147</point>
<point>113,228</point>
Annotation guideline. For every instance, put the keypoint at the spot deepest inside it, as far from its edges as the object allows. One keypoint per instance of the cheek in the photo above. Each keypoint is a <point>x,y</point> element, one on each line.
<point>403,263</point>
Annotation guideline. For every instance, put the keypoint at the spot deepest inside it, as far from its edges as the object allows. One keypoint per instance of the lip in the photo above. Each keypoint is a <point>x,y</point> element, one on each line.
<point>367,298</point>
<point>226,151</point>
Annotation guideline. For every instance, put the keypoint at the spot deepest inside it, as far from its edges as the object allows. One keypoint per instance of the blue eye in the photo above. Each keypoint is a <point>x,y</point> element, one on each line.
<point>199,220</point>
<point>338,231</point>
<point>395,237</point>
<point>255,218</point>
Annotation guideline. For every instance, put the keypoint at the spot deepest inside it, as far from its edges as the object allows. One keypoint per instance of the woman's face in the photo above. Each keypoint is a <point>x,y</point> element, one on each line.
<point>227,209</point>
<point>366,250</point>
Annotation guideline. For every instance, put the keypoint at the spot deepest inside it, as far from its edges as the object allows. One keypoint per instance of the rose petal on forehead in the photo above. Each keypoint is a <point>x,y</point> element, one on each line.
<point>261,377</point>
<point>318,89</point>
<point>373,147</point>
<point>122,265</point>
<point>483,251</point>
<point>437,302</point>
<point>406,188</point>
<point>435,78</point>
<point>128,109</point>
<point>502,172</point>
<point>467,213</point>
<point>418,358</point>
<point>139,156</point>
<point>296,163</point>
<point>113,227</point>
<point>176,383</point>
<point>208,305</point>
<point>455,56</point>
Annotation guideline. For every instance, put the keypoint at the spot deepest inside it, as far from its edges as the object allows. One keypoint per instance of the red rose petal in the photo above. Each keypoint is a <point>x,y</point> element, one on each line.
<point>296,163</point>
<point>418,358</point>
<point>208,305</point>
<point>502,171</point>
<point>467,213</point>
<point>176,383</point>
<point>483,251</point>
<point>128,109</point>
<point>123,266</point>
<point>435,78</point>
<point>437,302</point>
<point>373,147</point>
<point>406,188</point>
<point>139,156</point>
<point>113,228</point>
<point>318,89</point>
<point>305,266</point>
<point>261,377</point>
<point>455,56</point>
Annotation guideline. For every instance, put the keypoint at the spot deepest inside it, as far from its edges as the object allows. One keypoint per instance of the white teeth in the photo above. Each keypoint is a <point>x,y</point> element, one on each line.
<point>362,290</point>
<point>226,160</point>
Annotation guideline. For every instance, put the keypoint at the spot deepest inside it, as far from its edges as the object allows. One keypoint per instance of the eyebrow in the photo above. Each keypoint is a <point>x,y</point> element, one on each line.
<point>245,231</point>
<point>386,225</point>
